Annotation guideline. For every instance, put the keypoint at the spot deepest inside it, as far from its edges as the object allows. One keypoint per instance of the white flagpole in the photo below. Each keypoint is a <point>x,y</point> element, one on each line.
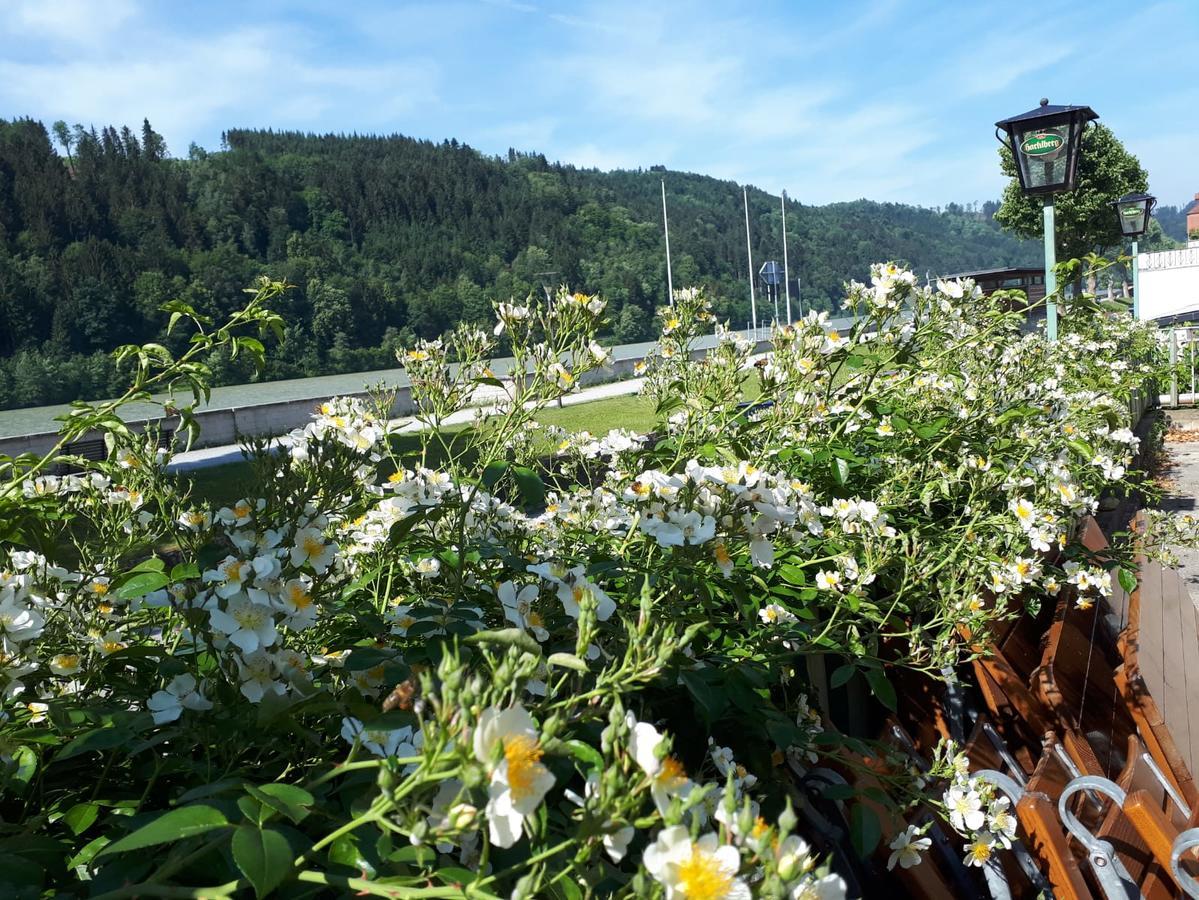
<point>786,276</point>
<point>753,303</point>
<point>666,228</point>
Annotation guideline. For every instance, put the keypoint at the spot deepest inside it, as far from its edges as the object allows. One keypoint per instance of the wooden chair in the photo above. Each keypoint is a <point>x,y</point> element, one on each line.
<point>1155,796</point>
<point>1044,835</point>
<point>1076,682</point>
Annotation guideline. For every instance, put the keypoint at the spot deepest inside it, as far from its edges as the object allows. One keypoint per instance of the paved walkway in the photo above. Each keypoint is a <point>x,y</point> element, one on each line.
<point>1182,450</point>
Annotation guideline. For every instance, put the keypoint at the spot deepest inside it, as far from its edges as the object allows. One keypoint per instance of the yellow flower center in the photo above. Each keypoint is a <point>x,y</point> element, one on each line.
<point>671,774</point>
<point>722,555</point>
<point>233,570</point>
<point>111,646</point>
<point>241,510</point>
<point>299,597</point>
<point>249,617</point>
<point>980,851</point>
<point>702,878</point>
<point>396,477</point>
<point>313,546</point>
<point>99,587</point>
<point>523,755</point>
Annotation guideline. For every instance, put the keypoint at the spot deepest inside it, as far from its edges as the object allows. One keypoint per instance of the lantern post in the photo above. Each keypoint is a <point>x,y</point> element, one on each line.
<point>1134,211</point>
<point>1045,144</point>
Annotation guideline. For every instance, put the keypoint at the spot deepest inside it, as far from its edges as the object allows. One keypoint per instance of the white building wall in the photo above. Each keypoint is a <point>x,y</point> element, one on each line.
<point>1169,283</point>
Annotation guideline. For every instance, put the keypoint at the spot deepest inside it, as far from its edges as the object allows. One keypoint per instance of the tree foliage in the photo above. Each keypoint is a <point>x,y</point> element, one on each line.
<point>1084,218</point>
<point>385,239</point>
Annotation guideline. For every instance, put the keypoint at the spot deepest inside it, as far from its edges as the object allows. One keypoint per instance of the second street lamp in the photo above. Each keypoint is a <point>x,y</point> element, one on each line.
<point>1134,211</point>
<point>1045,144</point>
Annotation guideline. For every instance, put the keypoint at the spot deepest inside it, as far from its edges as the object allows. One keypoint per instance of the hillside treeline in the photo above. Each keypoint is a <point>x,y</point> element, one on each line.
<point>384,239</point>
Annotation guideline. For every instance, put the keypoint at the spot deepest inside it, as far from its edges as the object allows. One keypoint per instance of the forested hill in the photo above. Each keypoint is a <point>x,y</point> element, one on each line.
<point>384,238</point>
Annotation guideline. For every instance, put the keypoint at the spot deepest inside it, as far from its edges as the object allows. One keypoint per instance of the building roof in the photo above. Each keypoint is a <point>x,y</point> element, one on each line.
<point>1005,270</point>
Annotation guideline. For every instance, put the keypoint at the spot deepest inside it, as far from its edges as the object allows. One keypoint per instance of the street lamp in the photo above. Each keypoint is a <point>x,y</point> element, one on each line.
<point>771,274</point>
<point>1134,211</point>
<point>1045,143</point>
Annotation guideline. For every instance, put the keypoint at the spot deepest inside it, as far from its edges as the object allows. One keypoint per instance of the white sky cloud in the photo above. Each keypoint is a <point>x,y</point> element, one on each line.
<point>893,99</point>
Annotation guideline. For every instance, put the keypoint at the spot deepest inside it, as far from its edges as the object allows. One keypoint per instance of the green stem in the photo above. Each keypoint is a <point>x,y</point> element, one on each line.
<point>362,886</point>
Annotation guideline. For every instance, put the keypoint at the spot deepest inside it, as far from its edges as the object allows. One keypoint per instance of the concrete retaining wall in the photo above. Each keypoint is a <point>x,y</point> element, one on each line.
<point>225,426</point>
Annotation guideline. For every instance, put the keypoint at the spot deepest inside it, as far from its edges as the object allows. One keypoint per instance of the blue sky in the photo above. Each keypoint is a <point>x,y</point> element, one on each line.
<point>886,99</point>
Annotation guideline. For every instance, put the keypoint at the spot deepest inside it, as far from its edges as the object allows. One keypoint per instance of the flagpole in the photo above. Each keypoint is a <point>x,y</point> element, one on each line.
<point>666,228</point>
<point>786,276</point>
<point>753,303</point>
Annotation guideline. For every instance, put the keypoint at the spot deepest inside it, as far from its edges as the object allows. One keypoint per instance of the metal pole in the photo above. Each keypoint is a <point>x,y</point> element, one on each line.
<point>1050,274</point>
<point>786,276</point>
<point>1136,287</point>
<point>1173,367</point>
<point>753,303</point>
<point>666,228</point>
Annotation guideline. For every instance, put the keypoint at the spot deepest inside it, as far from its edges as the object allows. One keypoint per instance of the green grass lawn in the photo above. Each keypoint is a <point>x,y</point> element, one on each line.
<point>225,484</point>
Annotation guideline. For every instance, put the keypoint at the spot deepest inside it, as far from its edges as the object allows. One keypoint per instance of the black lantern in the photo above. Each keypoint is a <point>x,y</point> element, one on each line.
<point>1134,211</point>
<point>1045,143</point>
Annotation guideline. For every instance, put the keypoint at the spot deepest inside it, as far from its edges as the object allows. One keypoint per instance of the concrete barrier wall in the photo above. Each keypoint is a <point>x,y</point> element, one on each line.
<point>226,426</point>
<point>1169,283</point>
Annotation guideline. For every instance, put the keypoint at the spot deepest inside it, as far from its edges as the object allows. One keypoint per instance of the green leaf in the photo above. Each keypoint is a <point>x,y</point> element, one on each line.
<point>511,637</point>
<point>285,799</point>
<point>1082,448</point>
<point>864,829</point>
<point>141,584</point>
<point>1127,579</point>
<point>493,473</point>
<point>79,818</point>
<point>347,852</point>
<point>566,661</point>
<point>932,429</point>
<point>793,574</point>
<point>841,675</point>
<point>710,698</point>
<point>103,738</point>
<point>185,572</point>
<point>153,564</point>
<point>530,485</point>
<point>26,760</point>
<point>585,753</point>
<point>883,689</point>
<point>89,851</point>
<point>263,855</point>
<point>175,825</point>
<point>455,876</point>
<point>840,470</point>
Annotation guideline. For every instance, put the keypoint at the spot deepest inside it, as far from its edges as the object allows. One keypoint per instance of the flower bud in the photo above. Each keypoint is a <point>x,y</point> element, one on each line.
<point>462,816</point>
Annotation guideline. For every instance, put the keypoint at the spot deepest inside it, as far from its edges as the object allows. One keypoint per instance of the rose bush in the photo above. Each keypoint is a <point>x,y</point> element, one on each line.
<point>522,662</point>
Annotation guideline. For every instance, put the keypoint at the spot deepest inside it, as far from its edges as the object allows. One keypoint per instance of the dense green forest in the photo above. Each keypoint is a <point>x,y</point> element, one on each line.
<point>1173,220</point>
<point>385,238</point>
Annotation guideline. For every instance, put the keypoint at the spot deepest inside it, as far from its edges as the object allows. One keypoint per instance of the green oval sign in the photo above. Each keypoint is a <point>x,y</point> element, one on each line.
<point>1131,212</point>
<point>1043,144</point>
